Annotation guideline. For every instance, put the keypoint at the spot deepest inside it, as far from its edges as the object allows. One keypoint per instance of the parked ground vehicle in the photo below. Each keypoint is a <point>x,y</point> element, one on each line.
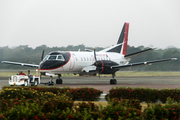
<point>24,80</point>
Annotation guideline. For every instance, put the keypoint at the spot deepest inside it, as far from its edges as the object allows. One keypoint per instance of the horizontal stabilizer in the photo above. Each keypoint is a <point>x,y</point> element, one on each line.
<point>22,64</point>
<point>138,53</point>
<point>112,48</point>
<point>141,63</point>
<point>88,50</point>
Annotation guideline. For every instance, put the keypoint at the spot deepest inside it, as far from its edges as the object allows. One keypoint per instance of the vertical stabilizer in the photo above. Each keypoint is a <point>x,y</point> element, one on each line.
<point>121,46</point>
<point>123,38</point>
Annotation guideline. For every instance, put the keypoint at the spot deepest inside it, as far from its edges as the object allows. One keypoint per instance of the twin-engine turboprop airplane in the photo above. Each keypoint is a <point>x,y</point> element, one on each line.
<point>107,61</point>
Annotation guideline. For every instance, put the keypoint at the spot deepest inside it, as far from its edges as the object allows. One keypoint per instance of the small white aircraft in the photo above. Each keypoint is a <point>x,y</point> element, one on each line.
<point>107,61</point>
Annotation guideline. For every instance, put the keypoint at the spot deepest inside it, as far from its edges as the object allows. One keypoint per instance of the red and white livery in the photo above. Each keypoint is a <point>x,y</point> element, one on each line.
<point>107,61</point>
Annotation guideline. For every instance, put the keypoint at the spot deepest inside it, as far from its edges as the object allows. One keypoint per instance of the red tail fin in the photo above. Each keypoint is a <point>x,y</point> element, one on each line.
<point>121,46</point>
<point>125,38</point>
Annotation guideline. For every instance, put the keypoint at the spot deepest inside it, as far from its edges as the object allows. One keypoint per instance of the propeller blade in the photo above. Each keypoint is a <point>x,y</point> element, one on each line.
<point>95,55</point>
<point>99,73</point>
<point>96,64</point>
<point>42,55</point>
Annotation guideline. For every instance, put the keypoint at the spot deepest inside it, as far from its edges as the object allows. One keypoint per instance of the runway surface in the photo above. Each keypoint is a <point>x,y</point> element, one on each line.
<point>104,85</point>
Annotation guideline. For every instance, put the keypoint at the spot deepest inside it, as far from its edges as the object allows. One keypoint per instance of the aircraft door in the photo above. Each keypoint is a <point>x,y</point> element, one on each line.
<point>93,60</point>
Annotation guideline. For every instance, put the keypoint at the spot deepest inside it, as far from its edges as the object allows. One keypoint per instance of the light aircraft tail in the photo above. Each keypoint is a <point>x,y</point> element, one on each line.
<point>123,39</point>
<point>121,46</point>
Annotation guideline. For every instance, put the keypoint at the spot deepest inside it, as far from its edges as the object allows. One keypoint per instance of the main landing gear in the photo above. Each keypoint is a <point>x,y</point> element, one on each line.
<point>113,81</point>
<point>59,80</point>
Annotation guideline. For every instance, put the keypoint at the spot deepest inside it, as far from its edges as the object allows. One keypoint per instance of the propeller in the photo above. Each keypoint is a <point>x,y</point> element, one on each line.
<point>95,56</point>
<point>96,63</point>
<point>42,55</point>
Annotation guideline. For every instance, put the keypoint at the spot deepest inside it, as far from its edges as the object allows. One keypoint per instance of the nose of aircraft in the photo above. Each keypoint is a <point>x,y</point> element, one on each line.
<point>51,64</point>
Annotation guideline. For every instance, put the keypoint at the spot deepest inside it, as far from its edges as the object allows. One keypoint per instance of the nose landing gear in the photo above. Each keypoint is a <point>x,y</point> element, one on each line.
<point>59,80</point>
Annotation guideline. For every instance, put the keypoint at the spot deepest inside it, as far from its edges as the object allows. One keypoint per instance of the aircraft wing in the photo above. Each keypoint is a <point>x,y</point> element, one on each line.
<point>22,64</point>
<point>138,53</point>
<point>141,63</point>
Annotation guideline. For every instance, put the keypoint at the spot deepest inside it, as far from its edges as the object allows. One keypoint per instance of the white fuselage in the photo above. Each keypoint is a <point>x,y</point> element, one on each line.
<point>79,60</point>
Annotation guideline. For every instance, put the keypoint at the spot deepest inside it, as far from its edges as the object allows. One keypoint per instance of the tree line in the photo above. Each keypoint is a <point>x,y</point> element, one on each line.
<point>26,54</point>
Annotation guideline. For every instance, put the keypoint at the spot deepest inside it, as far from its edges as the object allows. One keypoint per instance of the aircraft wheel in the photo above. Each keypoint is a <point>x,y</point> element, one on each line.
<point>36,83</point>
<point>115,81</point>
<point>59,81</point>
<point>111,81</point>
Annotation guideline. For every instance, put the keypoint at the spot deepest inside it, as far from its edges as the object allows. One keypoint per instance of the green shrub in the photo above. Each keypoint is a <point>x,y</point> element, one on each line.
<point>156,112</point>
<point>170,111</point>
<point>43,103</point>
<point>119,111</point>
<point>88,108</point>
<point>144,94</point>
<point>24,111</point>
<point>133,103</point>
<point>56,104</point>
<point>83,94</point>
<point>49,100</point>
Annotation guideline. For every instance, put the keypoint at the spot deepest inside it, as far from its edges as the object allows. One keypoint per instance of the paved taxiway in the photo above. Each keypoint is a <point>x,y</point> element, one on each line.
<point>157,82</point>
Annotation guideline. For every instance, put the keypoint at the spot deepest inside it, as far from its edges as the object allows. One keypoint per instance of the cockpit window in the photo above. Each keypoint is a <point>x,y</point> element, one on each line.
<point>54,57</point>
<point>60,57</point>
<point>46,57</point>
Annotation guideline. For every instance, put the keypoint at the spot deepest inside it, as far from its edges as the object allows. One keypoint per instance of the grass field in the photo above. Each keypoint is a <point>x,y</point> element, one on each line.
<point>9,72</point>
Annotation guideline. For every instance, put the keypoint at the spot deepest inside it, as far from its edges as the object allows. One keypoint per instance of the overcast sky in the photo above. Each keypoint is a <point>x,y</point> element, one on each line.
<point>90,22</point>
